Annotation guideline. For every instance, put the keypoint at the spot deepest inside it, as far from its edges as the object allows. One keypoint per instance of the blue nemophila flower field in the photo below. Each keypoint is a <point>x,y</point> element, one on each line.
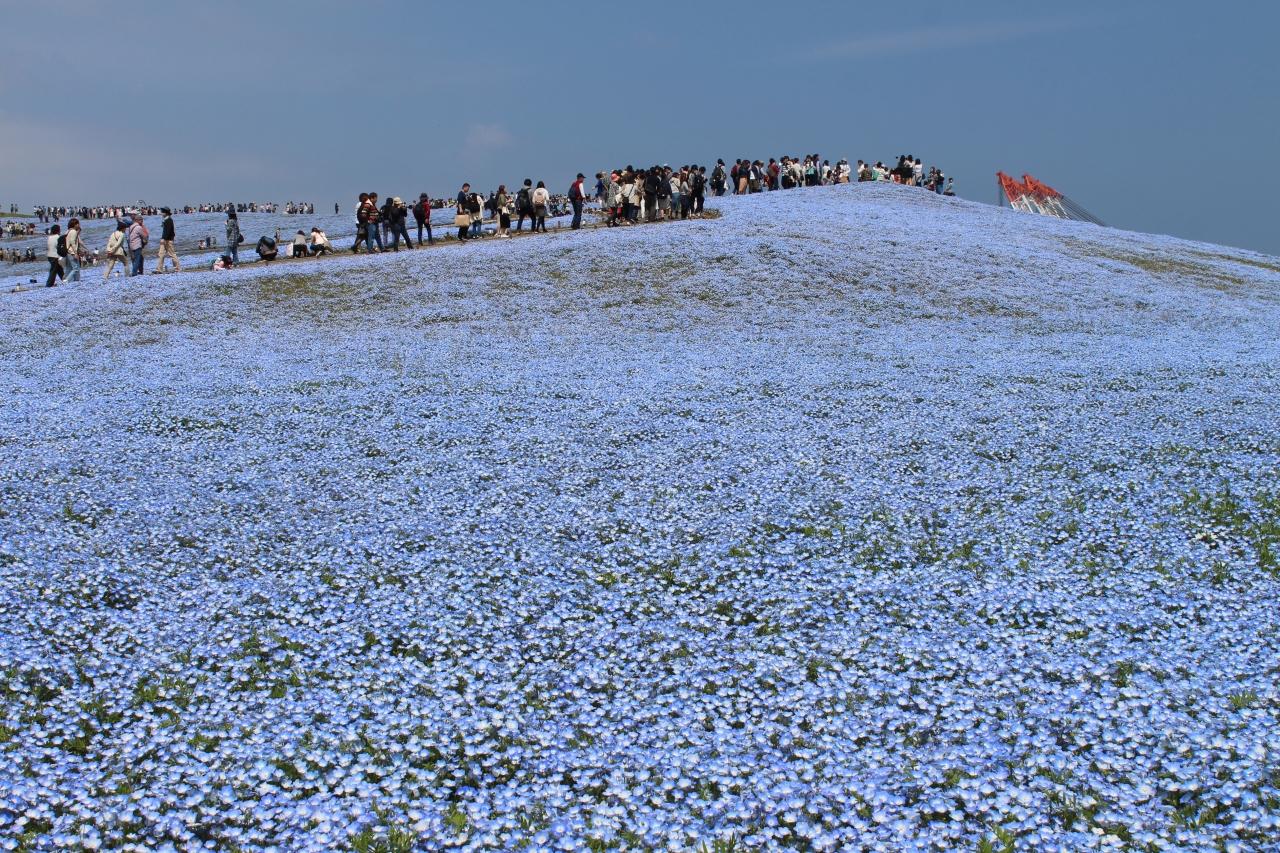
<point>856,519</point>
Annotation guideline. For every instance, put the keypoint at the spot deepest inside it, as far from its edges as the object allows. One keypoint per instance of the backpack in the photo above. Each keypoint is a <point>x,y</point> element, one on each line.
<point>575,192</point>
<point>524,202</point>
<point>62,245</point>
<point>418,212</point>
<point>699,184</point>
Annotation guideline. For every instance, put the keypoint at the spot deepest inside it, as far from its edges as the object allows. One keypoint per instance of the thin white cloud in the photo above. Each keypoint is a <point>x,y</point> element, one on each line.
<point>488,137</point>
<point>943,38</point>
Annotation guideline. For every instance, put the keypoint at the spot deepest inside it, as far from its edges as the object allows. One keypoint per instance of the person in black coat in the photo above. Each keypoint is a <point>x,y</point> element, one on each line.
<point>167,235</point>
<point>397,215</point>
<point>422,216</point>
<point>266,248</point>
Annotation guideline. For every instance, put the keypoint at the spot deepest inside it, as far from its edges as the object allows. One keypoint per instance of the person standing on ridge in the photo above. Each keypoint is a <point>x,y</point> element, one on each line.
<point>372,217</point>
<point>362,223</point>
<point>385,213</point>
<point>502,204</point>
<point>137,236</point>
<point>75,251</point>
<point>541,202</point>
<point>234,237</point>
<point>612,198</point>
<point>166,243</point>
<point>698,186</point>
<point>462,216</point>
<point>718,178</point>
<point>399,214</point>
<point>475,207</point>
<point>524,204</point>
<point>422,216</point>
<point>576,197</point>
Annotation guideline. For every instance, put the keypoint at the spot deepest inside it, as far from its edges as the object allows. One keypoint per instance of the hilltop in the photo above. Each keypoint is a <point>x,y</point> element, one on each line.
<point>856,518</point>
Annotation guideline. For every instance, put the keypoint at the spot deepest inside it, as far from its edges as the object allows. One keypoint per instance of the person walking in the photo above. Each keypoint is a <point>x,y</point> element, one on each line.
<point>462,215</point>
<point>422,216</point>
<point>682,193</point>
<point>362,223</point>
<point>75,251</point>
<point>385,213</point>
<point>502,203</point>
<point>652,182</point>
<point>475,207</point>
<point>116,251</point>
<point>372,230</point>
<point>612,198</point>
<point>399,215</point>
<point>576,197</point>
<point>137,236</point>
<point>629,193</point>
<point>718,178</point>
<point>52,255</point>
<point>524,204</point>
<point>166,243</point>
<point>698,188</point>
<point>234,237</point>
<point>541,201</point>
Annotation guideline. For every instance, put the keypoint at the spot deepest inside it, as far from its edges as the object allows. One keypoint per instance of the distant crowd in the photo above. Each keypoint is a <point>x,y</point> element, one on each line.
<point>624,196</point>
<point>50,213</point>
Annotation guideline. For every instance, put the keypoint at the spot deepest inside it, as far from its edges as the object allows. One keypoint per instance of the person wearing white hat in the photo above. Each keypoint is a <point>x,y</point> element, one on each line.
<point>397,216</point>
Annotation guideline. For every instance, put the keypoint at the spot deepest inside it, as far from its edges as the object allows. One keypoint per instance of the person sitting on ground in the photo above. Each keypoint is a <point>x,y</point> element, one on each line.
<point>223,263</point>
<point>266,248</point>
<point>319,242</point>
<point>300,244</point>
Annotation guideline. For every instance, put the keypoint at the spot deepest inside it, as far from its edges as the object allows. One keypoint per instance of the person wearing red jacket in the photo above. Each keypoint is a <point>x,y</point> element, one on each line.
<point>577,194</point>
<point>422,216</point>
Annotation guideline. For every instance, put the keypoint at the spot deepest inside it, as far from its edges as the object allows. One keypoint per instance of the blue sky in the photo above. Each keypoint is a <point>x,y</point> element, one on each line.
<point>1157,116</point>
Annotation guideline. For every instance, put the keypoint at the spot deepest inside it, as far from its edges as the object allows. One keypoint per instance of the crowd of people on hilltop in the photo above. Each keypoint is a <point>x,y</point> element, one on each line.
<point>625,196</point>
<point>19,229</point>
<point>752,176</point>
